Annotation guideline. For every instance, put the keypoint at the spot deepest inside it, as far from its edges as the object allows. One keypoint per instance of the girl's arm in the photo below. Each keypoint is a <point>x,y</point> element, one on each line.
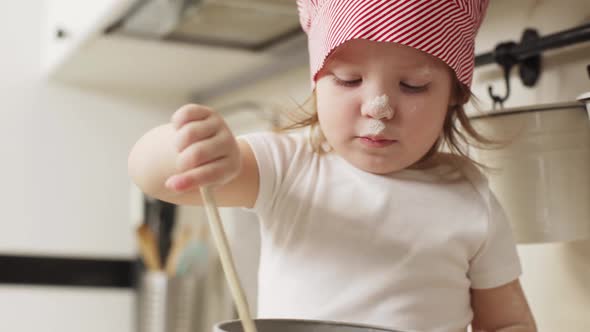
<point>501,309</point>
<point>196,148</point>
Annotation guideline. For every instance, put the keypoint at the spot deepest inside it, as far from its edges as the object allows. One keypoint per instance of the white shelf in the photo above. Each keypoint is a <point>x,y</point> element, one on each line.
<point>86,56</point>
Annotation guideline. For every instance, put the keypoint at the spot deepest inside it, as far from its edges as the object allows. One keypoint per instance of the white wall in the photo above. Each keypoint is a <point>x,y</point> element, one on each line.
<point>65,189</point>
<point>564,76</point>
<point>68,145</point>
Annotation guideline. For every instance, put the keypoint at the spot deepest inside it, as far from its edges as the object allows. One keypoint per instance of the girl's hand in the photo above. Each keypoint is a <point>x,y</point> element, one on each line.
<point>208,152</point>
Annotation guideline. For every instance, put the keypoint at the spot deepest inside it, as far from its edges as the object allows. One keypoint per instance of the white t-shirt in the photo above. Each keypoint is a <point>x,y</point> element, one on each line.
<point>399,251</point>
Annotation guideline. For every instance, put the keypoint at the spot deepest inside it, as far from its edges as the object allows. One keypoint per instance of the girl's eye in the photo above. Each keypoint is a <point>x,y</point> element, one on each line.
<point>413,88</point>
<point>347,83</point>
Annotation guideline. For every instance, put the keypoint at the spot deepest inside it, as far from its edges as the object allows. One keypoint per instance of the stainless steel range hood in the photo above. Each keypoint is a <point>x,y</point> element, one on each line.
<point>243,24</point>
<point>189,49</point>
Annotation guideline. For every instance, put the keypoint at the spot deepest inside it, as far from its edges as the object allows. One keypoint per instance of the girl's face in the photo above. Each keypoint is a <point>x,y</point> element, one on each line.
<point>408,91</point>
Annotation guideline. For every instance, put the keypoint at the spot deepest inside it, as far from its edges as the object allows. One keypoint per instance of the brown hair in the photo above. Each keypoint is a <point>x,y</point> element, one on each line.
<point>457,132</point>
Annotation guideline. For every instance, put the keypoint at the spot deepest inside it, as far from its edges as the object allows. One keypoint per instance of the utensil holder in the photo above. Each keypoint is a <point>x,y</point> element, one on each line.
<point>167,304</point>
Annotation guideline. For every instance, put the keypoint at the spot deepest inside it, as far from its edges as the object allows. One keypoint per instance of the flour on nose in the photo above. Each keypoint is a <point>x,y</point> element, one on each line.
<point>378,108</point>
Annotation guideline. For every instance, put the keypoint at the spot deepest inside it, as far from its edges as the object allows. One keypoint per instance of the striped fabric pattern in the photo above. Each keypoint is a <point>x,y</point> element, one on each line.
<point>445,29</point>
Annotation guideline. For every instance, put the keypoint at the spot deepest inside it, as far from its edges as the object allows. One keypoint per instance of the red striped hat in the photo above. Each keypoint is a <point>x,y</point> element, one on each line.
<point>445,29</point>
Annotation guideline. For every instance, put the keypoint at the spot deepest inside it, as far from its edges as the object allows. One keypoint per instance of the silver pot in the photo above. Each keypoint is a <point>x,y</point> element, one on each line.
<point>541,178</point>
<point>295,325</point>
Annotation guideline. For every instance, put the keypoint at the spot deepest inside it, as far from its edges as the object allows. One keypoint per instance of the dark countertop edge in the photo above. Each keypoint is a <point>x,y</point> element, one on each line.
<point>68,271</point>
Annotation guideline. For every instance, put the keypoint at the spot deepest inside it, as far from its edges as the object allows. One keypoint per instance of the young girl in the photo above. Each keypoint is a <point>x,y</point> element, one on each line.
<point>363,218</point>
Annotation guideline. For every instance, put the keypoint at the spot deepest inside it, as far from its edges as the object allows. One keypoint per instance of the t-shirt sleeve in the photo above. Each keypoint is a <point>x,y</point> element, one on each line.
<point>273,153</point>
<point>496,263</point>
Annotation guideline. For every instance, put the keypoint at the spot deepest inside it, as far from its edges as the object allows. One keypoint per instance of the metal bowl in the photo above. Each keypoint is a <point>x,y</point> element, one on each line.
<point>296,325</point>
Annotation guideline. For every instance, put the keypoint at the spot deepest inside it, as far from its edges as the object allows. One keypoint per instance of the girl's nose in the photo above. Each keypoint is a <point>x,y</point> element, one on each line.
<point>377,108</point>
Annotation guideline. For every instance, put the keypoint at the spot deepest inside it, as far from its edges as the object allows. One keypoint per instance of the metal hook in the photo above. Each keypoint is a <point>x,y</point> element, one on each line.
<point>503,56</point>
<point>496,99</point>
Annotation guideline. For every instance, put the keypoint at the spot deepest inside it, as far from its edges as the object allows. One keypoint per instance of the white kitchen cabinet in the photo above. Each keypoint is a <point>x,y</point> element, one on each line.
<point>57,309</point>
<point>77,50</point>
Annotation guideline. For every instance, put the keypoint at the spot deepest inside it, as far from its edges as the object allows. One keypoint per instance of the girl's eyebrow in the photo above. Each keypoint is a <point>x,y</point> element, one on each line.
<point>340,61</point>
<point>420,68</point>
<point>423,70</point>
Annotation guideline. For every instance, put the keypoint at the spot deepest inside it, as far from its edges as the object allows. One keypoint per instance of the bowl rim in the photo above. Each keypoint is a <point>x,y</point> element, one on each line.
<point>309,321</point>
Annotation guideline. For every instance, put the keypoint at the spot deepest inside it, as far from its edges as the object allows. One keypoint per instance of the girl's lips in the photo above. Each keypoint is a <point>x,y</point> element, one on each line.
<point>375,142</point>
